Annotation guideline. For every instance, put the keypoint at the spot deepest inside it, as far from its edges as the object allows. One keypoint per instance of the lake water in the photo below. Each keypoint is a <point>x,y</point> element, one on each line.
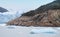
<point>19,31</point>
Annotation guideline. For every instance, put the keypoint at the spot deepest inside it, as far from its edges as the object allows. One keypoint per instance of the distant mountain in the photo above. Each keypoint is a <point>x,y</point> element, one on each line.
<point>3,10</point>
<point>46,15</point>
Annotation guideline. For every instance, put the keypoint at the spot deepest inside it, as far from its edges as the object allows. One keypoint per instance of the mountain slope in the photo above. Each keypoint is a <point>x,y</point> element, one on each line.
<point>46,15</point>
<point>51,6</point>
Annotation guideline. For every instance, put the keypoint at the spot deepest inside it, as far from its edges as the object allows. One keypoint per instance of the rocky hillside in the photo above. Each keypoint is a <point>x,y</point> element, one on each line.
<point>46,15</point>
<point>51,6</point>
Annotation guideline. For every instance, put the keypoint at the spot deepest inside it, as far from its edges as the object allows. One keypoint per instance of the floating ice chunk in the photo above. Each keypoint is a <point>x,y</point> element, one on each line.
<point>57,28</point>
<point>10,27</point>
<point>44,30</point>
<point>2,24</point>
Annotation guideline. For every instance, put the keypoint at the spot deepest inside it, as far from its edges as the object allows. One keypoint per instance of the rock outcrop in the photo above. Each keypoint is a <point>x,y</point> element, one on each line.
<point>46,15</point>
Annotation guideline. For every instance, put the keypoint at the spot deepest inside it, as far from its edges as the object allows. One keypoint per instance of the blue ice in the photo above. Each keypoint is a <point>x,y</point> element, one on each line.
<point>44,31</point>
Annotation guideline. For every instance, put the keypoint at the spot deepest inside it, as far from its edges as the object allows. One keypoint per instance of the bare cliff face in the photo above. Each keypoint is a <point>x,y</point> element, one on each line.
<point>54,17</point>
<point>50,18</point>
<point>46,15</point>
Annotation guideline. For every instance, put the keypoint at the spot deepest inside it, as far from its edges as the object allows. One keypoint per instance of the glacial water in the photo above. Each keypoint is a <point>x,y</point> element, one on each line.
<point>17,31</point>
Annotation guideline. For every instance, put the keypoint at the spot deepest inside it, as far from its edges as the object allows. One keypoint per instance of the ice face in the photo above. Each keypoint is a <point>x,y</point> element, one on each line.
<point>44,30</point>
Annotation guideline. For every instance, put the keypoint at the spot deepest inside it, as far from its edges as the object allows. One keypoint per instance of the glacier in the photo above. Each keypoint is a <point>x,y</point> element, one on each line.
<point>7,16</point>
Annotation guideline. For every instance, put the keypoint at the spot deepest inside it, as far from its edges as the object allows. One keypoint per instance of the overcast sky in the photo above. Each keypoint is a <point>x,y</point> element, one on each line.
<point>24,5</point>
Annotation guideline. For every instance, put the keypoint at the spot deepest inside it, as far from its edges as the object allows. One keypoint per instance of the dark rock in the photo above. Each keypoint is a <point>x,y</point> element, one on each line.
<point>2,10</point>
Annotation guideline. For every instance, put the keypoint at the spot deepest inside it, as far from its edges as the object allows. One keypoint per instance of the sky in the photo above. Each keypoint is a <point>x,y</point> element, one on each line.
<point>22,5</point>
